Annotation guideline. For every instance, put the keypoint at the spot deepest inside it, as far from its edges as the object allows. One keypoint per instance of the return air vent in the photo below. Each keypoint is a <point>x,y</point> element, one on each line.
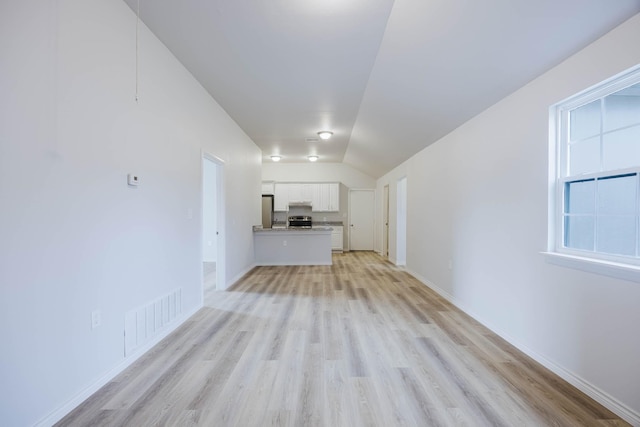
<point>144,323</point>
<point>311,139</point>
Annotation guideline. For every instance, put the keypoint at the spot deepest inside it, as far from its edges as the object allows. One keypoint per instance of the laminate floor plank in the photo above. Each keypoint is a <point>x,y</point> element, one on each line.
<point>358,343</point>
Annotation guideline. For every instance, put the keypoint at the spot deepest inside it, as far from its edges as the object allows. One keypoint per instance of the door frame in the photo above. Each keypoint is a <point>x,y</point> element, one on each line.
<point>385,221</point>
<point>373,230</point>
<point>220,219</point>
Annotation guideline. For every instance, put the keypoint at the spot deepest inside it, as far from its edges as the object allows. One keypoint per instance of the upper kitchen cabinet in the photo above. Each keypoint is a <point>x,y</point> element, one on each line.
<point>323,197</point>
<point>326,197</point>
<point>268,187</point>
<point>281,197</point>
<point>300,193</point>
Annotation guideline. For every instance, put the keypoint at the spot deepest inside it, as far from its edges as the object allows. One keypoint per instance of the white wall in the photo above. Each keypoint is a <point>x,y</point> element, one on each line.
<point>73,236</point>
<point>478,197</point>
<point>317,172</point>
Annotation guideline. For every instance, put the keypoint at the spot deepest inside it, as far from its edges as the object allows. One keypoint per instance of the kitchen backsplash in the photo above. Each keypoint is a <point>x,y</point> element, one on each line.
<point>317,217</point>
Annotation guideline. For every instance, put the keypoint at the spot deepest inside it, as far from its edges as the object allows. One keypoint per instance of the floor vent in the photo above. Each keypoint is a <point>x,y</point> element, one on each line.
<point>146,322</point>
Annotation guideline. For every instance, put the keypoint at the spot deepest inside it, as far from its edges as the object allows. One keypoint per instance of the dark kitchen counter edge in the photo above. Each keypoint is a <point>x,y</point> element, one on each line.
<point>322,229</point>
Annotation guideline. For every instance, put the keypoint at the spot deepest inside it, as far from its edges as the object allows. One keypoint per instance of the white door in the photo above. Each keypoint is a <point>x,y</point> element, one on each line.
<point>361,214</point>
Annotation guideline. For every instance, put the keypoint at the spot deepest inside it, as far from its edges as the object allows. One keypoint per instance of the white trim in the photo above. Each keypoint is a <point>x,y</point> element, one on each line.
<point>593,265</point>
<point>239,276</point>
<point>592,261</point>
<point>84,394</point>
<point>221,254</point>
<point>600,396</point>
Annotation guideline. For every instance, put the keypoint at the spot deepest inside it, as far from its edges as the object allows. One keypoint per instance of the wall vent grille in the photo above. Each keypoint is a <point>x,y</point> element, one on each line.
<point>142,324</point>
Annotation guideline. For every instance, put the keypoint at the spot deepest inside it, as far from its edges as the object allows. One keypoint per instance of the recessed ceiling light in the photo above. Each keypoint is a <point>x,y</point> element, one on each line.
<point>276,158</point>
<point>325,134</point>
<point>312,158</point>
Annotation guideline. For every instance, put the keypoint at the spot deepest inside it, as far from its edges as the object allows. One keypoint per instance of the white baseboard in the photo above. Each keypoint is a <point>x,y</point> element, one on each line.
<point>73,403</point>
<point>240,275</point>
<point>581,384</point>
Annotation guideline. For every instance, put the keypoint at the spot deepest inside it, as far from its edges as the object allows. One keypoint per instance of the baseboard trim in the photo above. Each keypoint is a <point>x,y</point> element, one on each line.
<point>600,396</point>
<point>74,402</point>
<point>239,276</point>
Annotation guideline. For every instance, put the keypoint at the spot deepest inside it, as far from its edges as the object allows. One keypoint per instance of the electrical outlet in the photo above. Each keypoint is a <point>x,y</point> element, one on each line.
<point>450,264</point>
<point>284,243</point>
<point>96,319</point>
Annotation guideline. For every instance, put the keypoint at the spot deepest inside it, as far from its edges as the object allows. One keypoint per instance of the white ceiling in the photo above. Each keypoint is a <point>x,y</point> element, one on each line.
<point>387,77</point>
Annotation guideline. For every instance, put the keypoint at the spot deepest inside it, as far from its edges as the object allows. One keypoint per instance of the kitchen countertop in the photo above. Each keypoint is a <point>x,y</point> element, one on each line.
<point>328,223</point>
<point>315,229</point>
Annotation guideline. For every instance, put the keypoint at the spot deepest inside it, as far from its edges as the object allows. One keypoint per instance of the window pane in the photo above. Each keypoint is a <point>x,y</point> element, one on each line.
<point>617,195</point>
<point>585,156</point>
<point>580,197</point>
<point>617,235</point>
<point>622,148</point>
<point>579,232</point>
<point>585,121</point>
<point>622,108</point>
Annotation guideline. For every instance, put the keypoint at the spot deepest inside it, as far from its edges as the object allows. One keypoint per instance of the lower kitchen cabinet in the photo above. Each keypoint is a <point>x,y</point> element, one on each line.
<point>337,243</point>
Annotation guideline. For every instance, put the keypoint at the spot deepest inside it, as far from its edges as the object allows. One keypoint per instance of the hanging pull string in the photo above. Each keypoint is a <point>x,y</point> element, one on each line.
<point>137,49</point>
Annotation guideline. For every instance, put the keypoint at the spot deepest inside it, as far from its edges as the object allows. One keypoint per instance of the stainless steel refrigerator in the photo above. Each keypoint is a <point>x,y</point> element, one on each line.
<point>267,211</point>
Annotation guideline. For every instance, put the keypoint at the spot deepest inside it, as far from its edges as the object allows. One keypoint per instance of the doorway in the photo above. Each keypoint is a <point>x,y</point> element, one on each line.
<point>212,224</point>
<point>361,219</point>
<point>401,218</point>
<point>385,222</point>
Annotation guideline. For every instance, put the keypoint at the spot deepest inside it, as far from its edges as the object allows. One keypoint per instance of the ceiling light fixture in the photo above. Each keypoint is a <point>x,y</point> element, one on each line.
<point>312,158</point>
<point>325,134</point>
<point>276,158</point>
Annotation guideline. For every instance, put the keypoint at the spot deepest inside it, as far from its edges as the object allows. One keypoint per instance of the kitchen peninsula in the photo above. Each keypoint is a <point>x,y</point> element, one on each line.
<point>292,246</point>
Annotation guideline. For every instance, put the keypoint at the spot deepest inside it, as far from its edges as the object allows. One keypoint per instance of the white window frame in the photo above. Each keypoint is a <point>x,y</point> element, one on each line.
<point>618,266</point>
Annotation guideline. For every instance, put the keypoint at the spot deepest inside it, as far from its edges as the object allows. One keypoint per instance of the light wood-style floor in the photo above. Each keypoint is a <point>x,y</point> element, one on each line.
<point>353,344</point>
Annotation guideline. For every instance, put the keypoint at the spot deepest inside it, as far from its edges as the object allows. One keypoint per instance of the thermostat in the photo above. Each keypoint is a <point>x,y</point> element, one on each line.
<point>132,180</point>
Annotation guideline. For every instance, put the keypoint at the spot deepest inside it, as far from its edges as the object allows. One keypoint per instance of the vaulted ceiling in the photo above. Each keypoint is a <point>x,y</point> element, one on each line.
<point>387,77</point>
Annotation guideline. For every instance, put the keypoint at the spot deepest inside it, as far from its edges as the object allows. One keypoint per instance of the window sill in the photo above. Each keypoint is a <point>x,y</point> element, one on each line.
<point>606,268</point>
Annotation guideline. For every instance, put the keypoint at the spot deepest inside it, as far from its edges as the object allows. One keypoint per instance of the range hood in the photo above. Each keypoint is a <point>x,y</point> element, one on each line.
<point>300,204</point>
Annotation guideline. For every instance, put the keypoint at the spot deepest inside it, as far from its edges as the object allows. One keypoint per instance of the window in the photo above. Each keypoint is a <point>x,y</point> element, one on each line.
<point>596,185</point>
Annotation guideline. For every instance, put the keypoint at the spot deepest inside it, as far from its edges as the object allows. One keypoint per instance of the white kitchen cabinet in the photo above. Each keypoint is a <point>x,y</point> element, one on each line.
<point>334,197</point>
<point>337,243</point>
<point>307,192</point>
<point>295,193</point>
<point>326,197</point>
<point>268,187</point>
<point>281,197</point>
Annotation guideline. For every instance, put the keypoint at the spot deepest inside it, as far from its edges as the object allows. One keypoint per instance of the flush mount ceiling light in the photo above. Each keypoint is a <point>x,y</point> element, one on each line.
<point>325,134</point>
<point>276,158</point>
<point>312,158</point>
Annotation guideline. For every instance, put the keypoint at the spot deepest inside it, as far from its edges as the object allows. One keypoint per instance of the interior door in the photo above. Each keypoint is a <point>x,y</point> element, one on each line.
<point>361,219</point>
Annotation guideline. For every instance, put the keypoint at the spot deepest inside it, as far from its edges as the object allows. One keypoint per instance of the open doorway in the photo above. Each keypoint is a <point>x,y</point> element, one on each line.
<point>385,222</point>
<point>212,224</point>
<point>401,218</point>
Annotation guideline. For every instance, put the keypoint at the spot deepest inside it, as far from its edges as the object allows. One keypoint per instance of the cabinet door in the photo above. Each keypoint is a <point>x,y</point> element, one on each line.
<point>323,197</point>
<point>281,197</point>
<point>267,187</point>
<point>295,193</point>
<point>334,197</point>
<point>307,193</point>
<point>337,238</point>
<point>315,198</point>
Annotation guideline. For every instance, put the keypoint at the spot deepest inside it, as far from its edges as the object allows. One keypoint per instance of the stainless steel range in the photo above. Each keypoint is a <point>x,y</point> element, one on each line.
<point>299,222</point>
